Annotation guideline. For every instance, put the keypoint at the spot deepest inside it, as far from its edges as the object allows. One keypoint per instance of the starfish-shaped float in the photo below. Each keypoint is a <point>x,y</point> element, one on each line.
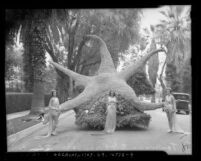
<point>107,79</point>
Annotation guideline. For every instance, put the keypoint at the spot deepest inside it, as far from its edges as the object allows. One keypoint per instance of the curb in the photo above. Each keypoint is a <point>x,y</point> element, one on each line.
<point>26,132</point>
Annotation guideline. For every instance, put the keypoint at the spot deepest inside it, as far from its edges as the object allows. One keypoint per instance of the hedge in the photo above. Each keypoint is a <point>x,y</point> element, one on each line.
<point>17,102</point>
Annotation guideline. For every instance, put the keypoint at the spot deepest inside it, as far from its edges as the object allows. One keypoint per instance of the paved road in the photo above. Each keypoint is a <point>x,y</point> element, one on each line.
<point>72,138</point>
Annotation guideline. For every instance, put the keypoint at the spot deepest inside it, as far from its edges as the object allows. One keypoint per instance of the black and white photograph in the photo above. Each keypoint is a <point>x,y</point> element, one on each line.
<point>99,79</point>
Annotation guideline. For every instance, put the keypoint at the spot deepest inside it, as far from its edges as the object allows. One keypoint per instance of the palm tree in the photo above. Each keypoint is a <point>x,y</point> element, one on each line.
<point>176,36</point>
<point>32,34</point>
<point>37,52</point>
<point>153,63</point>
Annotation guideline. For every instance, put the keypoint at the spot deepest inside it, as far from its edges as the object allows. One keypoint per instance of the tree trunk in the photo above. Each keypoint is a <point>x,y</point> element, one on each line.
<point>27,68</point>
<point>153,98</point>
<point>62,88</point>
<point>153,64</point>
<point>70,89</point>
<point>38,97</point>
<point>161,81</point>
<point>37,56</point>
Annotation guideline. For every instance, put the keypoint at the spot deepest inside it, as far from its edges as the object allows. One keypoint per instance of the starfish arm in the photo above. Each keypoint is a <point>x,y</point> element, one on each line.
<point>131,69</point>
<point>81,79</point>
<point>88,93</point>
<point>145,106</point>
<point>107,64</point>
<point>126,91</point>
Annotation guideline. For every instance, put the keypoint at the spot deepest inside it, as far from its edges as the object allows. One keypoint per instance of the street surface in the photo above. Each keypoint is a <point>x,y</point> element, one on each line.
<point>72,138</point>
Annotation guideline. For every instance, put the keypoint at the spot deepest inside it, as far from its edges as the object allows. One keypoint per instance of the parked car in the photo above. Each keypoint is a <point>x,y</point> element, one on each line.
<point>182,102</point>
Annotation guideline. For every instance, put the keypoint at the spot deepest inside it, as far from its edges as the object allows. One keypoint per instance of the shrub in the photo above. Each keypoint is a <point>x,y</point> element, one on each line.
<point>17,102</point>
<point>127,115</point>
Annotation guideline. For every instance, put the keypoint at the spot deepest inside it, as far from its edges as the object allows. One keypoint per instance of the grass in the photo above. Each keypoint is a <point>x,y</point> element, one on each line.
<point>17,124</point>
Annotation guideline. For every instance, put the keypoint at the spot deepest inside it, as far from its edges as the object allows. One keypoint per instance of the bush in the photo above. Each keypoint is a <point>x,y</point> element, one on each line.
<point>17,102</point>
<point>127,115</point>
<point>140,84</point>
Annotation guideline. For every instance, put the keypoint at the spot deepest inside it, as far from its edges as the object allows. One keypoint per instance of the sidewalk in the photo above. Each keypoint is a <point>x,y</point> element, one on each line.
<point>17,114</point>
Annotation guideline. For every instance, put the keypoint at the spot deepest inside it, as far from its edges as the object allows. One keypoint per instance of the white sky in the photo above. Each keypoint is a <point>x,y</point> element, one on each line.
<point>152,16</point>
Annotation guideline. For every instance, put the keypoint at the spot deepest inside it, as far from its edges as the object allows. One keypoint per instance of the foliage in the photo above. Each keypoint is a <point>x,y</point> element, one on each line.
<point>66,44</point>
<point>139,81</point>
<point>187,78</point>
<point>64,37</point>
<point>50,77</point>
<point>32,30</point>
<point>141,84</point>
<point>17,102</point>
<point>175,33</point>
<point>171,76</point>
<point>127,116</point>
<point>177,29</point>
<point>153,63</point>
<point>13,60</point>
<point>112,25</point>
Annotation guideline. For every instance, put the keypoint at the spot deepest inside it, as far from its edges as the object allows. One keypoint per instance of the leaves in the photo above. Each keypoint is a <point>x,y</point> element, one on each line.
<point>177,31</point>
<point>127,115</point>
<point>140,84</point>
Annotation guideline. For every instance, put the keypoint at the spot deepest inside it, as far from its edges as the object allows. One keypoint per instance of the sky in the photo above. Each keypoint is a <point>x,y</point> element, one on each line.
<point>152,16</point>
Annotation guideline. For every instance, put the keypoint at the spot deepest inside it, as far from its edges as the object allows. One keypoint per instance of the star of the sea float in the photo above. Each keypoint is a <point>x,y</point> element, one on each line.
<point>107,79</point>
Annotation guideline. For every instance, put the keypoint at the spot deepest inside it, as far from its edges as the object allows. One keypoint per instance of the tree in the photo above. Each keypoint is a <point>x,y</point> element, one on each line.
<point>153,63</point>
<point>176,27</point>
<point>50,80</point>
<point>67,28</point>
<point>96,87</point>
<point>9,63</point>
<point>139,81</point>
<point>38,61</point>
<point>186,78</point>
<point>13,61</point>
<point>160,78</point>
<point>146,43</point>
<point>33,30</point>
<point>140,84</point>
